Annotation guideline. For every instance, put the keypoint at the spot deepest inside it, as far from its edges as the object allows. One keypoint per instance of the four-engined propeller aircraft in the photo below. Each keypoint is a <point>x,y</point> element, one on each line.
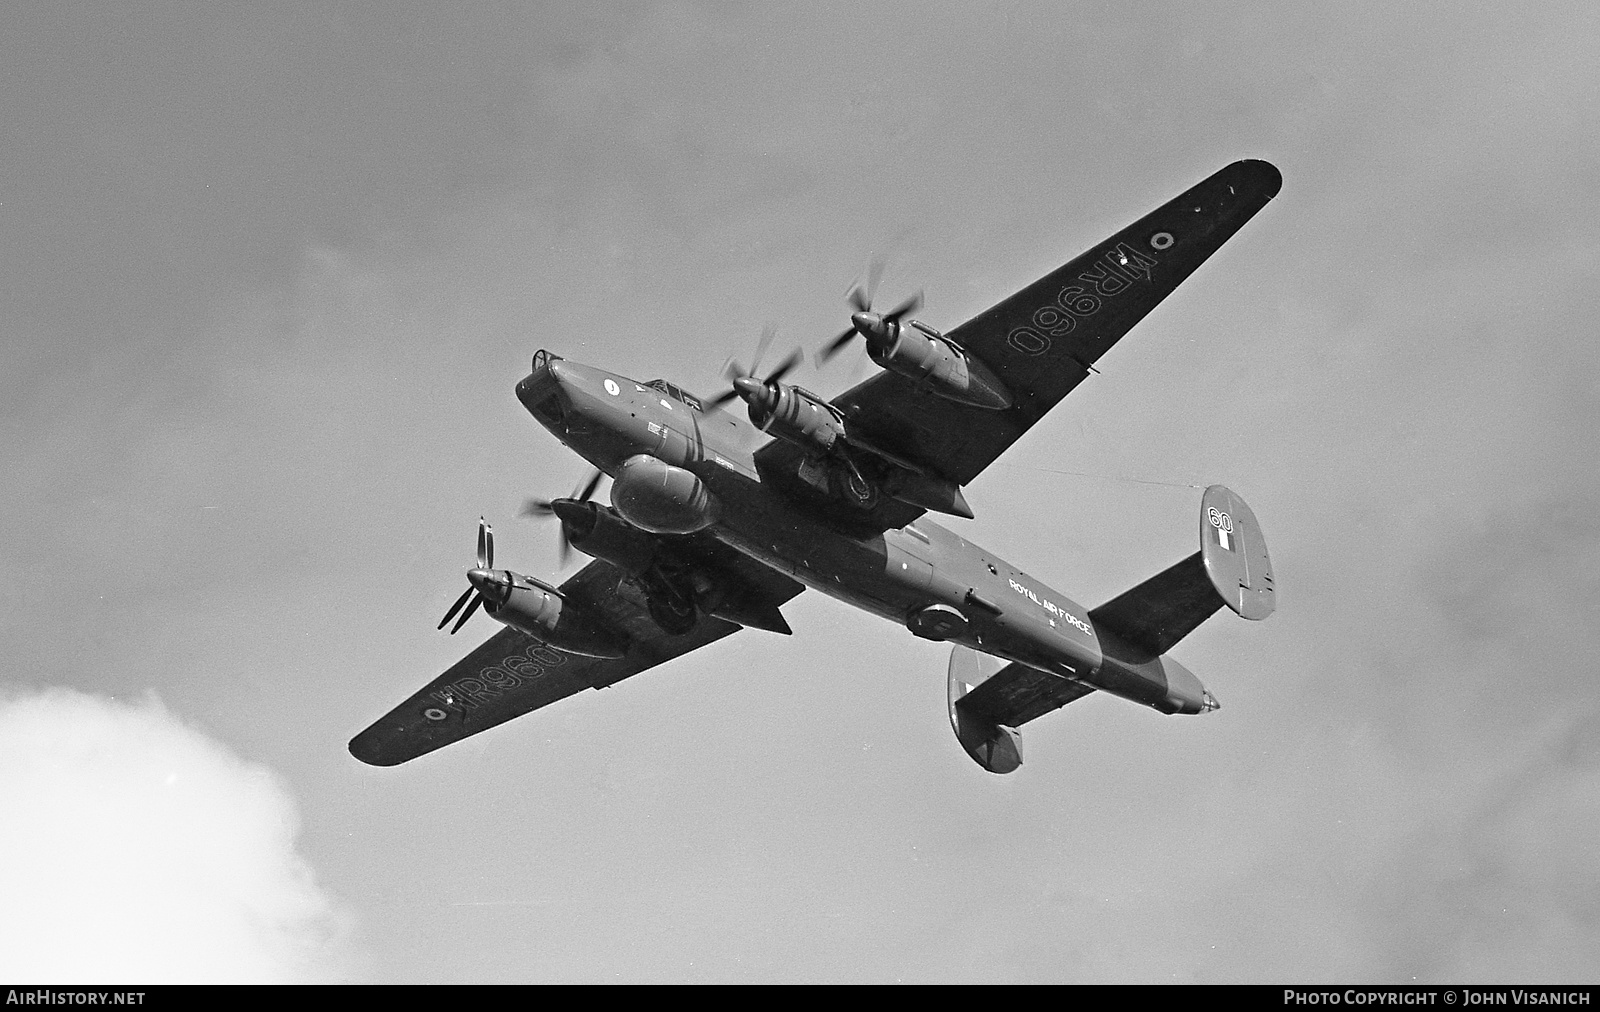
<point>716,522</point>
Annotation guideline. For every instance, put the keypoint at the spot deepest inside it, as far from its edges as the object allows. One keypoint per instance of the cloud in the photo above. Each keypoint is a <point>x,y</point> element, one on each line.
<point>139,850</point>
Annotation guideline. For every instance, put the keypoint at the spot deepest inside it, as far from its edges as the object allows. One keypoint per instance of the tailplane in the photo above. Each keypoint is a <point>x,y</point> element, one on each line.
<point>1231,568</point>
<point>990,698</point>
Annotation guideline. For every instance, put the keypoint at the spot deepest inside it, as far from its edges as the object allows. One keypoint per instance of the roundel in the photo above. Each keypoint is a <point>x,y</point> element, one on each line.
<point>612,388</point>
<point>434,713</point>
<point>1161,240</point>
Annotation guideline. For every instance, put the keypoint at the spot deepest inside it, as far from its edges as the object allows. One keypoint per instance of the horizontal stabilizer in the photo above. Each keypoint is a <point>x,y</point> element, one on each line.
<point>990,699</point>
<point>1162,610</point>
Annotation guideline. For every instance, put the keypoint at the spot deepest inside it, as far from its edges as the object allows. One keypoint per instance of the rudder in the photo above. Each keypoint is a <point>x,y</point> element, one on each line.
<point>1235,554</point>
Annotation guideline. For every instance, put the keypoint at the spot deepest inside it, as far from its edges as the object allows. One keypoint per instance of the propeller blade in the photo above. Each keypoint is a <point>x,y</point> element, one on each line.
<point>735,371</point>
<point>467,614</point>
<point>911,305</point>
<point>861,296</point>
<point>485,545</point>
<point>455,608</point>
<point>582,492</point>
<point>585,490</point>
<point>788,364</point>
<point>860,299</point>
<point>768,332</point>
<point>836,345</point>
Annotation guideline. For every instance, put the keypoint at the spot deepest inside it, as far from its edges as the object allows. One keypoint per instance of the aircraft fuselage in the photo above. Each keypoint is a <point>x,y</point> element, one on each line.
<point>921,576</point>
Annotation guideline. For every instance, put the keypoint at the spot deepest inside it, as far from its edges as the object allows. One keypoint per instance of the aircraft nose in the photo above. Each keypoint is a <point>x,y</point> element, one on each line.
<point>540,386</point>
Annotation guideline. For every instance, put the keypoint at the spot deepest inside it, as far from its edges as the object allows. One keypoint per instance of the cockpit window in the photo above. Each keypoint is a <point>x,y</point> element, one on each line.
<point>677,394</point>
<point>543,358</point>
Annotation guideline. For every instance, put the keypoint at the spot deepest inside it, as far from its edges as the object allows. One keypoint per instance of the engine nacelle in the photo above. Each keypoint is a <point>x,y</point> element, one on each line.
<point>541,612</point>
<point>927,357</point>
<point>800,417</point>
<point>601,534</point>
<point>655,496</point>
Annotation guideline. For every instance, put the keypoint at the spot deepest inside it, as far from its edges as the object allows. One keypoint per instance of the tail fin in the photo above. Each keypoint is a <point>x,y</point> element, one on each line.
<point>1231,568</point>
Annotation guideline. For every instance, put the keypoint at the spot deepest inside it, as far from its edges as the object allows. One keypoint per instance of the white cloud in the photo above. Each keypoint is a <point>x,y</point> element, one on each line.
<point>139,850</point>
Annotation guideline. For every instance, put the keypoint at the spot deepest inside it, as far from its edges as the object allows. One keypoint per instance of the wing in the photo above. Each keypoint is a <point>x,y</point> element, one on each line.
<point>512,674</point>
<point>1042,341</point>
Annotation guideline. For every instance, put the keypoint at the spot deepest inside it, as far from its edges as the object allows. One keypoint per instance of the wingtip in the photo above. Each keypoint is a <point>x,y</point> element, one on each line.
<point>371,752</point>
<point>1265,176</point>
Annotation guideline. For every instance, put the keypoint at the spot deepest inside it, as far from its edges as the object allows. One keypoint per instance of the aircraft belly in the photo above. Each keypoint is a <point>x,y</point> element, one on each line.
<point>827,562</point>
<point>900,575</point>
<point>967,595</point>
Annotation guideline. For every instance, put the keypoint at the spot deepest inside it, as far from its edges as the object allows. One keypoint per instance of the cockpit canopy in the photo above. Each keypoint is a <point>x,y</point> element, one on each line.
<point>676,393</point>
<point>543,358</point>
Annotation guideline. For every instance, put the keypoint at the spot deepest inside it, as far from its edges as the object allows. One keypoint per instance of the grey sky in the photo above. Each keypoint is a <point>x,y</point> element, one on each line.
<point>270,274</point>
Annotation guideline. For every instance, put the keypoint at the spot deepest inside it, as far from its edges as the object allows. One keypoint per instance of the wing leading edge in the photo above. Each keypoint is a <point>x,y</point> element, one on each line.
<point>1042,341</point>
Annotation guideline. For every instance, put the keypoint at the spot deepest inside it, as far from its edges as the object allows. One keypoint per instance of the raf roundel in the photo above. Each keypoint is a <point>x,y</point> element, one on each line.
<point>612,388</point>
<point>1161,240</point>
<point>434,713</point>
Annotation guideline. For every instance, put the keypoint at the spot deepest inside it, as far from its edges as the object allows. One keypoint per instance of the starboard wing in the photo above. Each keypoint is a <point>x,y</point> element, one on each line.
<point>511,674</point>
<point>1042,341</point>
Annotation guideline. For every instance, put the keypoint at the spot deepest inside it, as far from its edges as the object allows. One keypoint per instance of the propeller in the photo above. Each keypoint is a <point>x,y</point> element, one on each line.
<point>875,327</point>
<point>482,577</point>
<point>746,385</point>
<point>548,507</point>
